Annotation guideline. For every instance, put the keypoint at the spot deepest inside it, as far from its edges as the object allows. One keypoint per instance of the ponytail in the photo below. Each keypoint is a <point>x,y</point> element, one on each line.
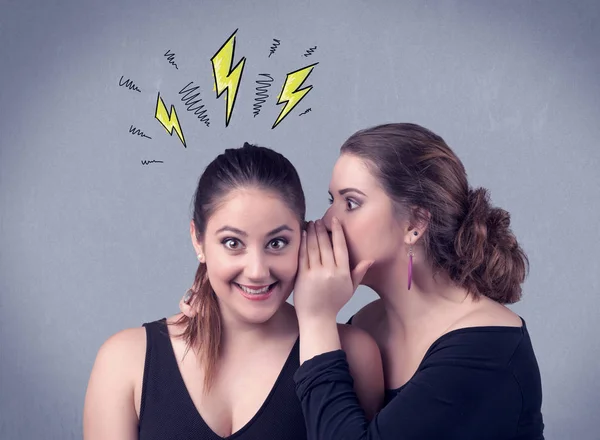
<point>203,331</point>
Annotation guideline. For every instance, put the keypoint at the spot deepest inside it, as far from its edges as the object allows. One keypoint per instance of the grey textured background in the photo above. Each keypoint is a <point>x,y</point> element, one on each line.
<point>92,241</point>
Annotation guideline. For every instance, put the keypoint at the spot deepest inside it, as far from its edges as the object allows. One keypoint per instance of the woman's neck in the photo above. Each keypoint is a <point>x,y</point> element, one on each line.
<point>241,334</point>
<point>433,303</point>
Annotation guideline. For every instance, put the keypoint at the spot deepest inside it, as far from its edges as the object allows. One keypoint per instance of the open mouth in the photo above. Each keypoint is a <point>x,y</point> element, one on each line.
<point>256,293</point>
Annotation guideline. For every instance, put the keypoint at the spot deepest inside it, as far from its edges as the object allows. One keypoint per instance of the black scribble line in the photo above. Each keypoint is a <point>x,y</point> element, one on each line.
<point>189,102</point>
<point>305,112</point>
<point>146,162</point>
<point>310,51</point>
<point>261,92</point>
<point>276,43</point>
<point>129,84</point>
<point>171,58</point>
<point>133,130</point>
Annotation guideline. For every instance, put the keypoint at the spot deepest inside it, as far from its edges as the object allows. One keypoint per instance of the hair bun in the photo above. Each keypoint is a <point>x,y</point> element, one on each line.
<point>490,261</point>
<point>478,205</point>
<point>494,222</point>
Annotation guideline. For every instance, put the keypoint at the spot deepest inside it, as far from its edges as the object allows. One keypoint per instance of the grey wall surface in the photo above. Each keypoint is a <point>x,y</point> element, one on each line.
<point>94,241</point>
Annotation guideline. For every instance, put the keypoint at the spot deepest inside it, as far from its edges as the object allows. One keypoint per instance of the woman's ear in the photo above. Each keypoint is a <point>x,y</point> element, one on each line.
<point>416,226</point>
<point>198,246</point>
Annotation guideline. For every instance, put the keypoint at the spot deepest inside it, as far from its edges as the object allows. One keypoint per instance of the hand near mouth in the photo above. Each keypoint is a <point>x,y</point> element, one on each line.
<point>325,282</point>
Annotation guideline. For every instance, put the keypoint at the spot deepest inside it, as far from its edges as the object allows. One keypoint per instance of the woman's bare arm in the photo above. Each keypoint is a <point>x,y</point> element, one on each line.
<point>109,410</point>
<point>364,359</point>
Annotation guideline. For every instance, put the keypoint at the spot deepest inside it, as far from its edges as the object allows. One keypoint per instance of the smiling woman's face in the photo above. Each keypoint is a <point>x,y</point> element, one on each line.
<point>251,248</point>
<point>371,226</point>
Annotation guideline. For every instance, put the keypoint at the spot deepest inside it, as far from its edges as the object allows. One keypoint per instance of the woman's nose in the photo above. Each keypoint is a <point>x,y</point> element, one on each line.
<point>327,219</point>
<point>257,267</point>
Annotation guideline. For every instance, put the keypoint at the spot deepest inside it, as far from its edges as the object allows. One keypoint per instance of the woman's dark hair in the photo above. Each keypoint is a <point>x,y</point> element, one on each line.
<point>465,235</point>
<point>247,167</point>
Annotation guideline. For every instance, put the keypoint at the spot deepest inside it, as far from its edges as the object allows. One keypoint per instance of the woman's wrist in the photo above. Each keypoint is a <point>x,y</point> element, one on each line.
<point>318,335</point>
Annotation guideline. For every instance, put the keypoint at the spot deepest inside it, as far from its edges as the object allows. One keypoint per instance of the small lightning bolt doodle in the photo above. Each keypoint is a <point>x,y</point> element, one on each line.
<point>227,78</point>
<point>168,119</point>
<point>290,93</point>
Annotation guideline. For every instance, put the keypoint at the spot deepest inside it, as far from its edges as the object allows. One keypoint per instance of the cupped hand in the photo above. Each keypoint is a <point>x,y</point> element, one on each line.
<point>325,283</point>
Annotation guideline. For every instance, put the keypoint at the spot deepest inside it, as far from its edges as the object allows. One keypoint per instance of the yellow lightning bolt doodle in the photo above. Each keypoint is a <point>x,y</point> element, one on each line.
<point>227,78</point>
<point>290,94</point>
<point>168,119</point>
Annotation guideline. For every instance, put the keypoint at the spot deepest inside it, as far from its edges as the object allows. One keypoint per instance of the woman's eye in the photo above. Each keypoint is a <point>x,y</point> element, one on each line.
<point>351,204</point>
<point>231,243</point>
<point>330,200</point>
<point>277,244</point>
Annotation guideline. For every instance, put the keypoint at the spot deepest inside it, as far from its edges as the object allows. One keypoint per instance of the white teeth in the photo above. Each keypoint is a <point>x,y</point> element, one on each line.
<point>253,291</point>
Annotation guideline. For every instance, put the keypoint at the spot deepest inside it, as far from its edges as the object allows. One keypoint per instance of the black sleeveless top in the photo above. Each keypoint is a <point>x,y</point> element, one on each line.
<point>167,411</point>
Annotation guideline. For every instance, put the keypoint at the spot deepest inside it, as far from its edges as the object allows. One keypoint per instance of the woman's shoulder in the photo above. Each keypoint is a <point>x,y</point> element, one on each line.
<point>489,336</point>
<point>121,350</point>
<point>370,317</point>
<point>488,313</point>
<point>115,378</point>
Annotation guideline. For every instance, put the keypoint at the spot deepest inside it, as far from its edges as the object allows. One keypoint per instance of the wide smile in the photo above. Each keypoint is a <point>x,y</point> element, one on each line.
<point>256,293</point>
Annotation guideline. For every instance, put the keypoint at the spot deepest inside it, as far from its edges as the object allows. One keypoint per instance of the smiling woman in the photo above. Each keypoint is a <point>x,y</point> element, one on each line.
<point>224,367</point>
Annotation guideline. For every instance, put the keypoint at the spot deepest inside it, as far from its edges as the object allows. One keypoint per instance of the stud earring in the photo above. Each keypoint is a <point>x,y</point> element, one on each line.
<point>199,256</point>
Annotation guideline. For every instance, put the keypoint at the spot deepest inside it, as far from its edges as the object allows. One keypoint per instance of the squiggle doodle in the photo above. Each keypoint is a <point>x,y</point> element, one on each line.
<point>273,48</point>
<point>168,119</point>
<point>291,94</point>
<point>129,84</point>
<point>310,51</point>
<point>261,92</point>
<point>171,58</point>
<point>227,77</point>
<point>133,130</point>
<point>146,162</point>
<point>305,111</point>
<point>189,102</point>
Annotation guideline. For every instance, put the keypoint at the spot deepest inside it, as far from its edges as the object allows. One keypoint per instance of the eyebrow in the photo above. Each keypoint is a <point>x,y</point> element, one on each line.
<point>244,234</point>
<point>347,190</point>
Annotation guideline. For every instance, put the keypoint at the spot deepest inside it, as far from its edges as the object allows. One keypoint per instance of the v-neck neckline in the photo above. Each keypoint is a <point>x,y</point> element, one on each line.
<point>261,409</point>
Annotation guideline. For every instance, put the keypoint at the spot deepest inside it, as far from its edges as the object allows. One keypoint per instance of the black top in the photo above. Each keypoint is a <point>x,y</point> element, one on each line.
<point>167,411</point>
<point>473,383</point>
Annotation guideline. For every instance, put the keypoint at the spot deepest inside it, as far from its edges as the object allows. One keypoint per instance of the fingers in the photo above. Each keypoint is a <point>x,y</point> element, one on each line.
<point>314,255</point>
<point>359,272</point>
<point>340,249</point>
<point>327,258</point>
<point>303,254</point>
<point>186,308</point>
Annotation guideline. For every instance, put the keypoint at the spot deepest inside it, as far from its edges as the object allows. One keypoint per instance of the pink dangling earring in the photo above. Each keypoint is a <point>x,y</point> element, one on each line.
<point>410,264</point>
